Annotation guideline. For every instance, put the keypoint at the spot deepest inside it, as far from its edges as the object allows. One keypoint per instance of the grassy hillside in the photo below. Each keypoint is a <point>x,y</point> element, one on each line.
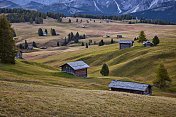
<point>136,64</point>
<point>32,89</point>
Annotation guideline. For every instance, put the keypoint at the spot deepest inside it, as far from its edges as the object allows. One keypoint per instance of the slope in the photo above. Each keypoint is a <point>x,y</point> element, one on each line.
<point>31,89</point>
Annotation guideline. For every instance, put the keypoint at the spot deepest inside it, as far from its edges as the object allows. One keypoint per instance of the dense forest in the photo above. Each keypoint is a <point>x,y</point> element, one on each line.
<point>111,17</point>
<point>21,15</point>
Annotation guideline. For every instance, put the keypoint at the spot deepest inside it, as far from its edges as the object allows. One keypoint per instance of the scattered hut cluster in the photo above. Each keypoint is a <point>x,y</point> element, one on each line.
<point>77,68</point>
<point>131,87</point>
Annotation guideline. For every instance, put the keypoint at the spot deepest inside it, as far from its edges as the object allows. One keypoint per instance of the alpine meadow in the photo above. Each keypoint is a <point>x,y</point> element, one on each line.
<point>94,58</point>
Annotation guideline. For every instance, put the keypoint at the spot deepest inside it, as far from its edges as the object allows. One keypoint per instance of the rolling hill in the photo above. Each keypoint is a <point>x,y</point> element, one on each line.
<point>43,91</point>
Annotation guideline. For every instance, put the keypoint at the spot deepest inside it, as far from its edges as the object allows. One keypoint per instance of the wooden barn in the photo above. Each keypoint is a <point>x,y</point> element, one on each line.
<point>126,44</point>
<point>77,68</point>
<point>131,87</point>
<point>147,44</point>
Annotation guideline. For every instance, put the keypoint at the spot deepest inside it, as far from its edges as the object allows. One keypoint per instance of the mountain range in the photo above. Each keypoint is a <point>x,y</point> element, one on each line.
<point>98,7</point>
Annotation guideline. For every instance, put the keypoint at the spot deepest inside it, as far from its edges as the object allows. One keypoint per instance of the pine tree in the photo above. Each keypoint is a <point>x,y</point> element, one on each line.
<point>46,31</point>
<point>76,20</point>
<point>142,37</point>
<point>84,36</point>
<point>156,40</point>
<point>82,44</point>
<point>53,32</point>
<point>21,46</point>
<point>77,35</point>
<point>105,70</point>
<point>34,44</point>
<point>31,20</point>
<point>26,45</point>
<point>69,21</point>
<point>87,45</point>
<point>8,49</point>
<point>71,35</point>
<point>162,77</point>
<point>112,41</point>
<point>101,43</point>
<point>58,44</point>
<point>40,32</point>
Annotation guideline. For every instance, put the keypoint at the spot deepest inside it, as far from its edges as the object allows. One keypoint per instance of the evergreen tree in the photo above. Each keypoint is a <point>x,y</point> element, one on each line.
<point>105,70</point>
<point>142,37</point>
<point>162,77</point>
<point>87,45</point>
<point>40,32</point>
<point>77,35</point>
<point>21,46</point>
<point>58,44</point>
<point>69,21</point>
<point>156,40</point>
<point>53,32</point>
<point>71,35</point>
<point>112,41</point>
<point>34,44</point>
<point>101,43</point>
<point>82,44</point>
<point>31,21</point>
<point>8,49</point>
<point>46,31</point>
<point>84,36</point>
<point>76,20</point>
<point>26,45</point>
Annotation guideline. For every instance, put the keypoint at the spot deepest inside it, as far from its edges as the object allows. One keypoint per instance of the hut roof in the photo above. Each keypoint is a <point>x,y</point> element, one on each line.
<point>128,85</point>
<point>78,65</point>
<point>126,41</point>
<point>147,42</point>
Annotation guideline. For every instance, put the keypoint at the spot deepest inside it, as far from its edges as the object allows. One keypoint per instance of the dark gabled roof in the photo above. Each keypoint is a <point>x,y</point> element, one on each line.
<point>128,85</point>
<point>147,42</point>
<point>77,65</point>
<point>126,41</point>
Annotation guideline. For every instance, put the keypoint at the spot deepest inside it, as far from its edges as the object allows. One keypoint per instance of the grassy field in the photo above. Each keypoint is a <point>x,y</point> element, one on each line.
<point>36,87</point>
<point>43,91</point>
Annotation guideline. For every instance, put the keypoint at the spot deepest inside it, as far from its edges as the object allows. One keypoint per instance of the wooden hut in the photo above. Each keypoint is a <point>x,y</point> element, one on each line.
<point>126,44</point>
<point>77,68</point>
<point>131,87</point>
<point>147,44</point>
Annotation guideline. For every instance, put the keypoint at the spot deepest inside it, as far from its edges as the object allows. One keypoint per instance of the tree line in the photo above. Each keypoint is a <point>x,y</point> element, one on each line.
<point>111,17</point>
<point>149,21</point>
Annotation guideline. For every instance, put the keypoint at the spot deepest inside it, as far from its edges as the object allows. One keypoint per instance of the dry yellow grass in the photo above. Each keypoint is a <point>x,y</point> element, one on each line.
<point>18,99</point>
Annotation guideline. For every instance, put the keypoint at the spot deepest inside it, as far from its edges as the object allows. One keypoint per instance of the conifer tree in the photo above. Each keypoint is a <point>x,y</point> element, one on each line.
<point>156,40</point>
<point>76,20</point>
<point>69,21</point>
<point>31,20</point>
<point>8,49</point>
<point>34,44</point>
<point>40,32</point>
<point>112,41</point>
<point>105,70</point>
<point>71,35</point>
<point>82,44</point>
<point>77,35</point>
<point>87,45</point>
<point>162,77</point>
<point>58,44</point>
<point>46,31</point>
<point>26,45</point>
<point>21,46</point>
<point>142,37</point>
